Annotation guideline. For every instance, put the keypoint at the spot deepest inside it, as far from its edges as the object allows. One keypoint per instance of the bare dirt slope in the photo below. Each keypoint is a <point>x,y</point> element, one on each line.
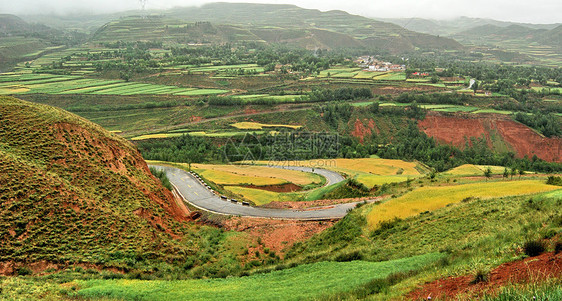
<point>501,133</point>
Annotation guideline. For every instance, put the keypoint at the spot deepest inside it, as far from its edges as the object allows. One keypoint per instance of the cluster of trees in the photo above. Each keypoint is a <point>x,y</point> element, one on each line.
<point>186,148</point>
<point>486,72</point>
<point>547,124</point>
<point>323,95</point>
<point>268,56</point>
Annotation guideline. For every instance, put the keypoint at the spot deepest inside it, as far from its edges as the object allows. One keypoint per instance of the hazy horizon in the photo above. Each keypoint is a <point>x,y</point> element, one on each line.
<point>542,12</point>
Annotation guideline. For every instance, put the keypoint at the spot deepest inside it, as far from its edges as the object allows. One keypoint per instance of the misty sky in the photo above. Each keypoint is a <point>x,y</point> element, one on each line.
<point>538,11</point>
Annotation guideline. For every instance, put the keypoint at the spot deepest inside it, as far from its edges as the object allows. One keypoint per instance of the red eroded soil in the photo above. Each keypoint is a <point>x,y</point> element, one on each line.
<point>535,269</point>
<point>457,130</point>
<point>195,119</point>
<point>360,130</point>
<point>277,235</point>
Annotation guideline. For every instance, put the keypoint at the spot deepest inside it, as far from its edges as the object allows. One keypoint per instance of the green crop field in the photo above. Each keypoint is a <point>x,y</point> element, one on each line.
<point>49,84</point>
<point>398,76</point>
<point>302,282</point>
<point>492,111</point>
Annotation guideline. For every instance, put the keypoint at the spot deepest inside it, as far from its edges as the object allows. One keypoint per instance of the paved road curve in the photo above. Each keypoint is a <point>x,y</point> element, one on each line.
<point>197,195</point>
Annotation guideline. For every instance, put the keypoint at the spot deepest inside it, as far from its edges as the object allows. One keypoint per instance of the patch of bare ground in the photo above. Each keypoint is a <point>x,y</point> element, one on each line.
<point>276,235</point>
<point>532,269</point>
<point>458,129</point>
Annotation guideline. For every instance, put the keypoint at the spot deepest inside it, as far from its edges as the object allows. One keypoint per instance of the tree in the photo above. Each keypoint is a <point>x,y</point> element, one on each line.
<point>488,173</point>
<point>475,86</point>
<point>521,172</point>
<point>513,172</point>
<point>505,173</point>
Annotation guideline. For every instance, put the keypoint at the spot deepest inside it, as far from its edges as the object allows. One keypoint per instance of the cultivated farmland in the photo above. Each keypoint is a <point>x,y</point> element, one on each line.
<point>430,198</point>
<point>68,84</point>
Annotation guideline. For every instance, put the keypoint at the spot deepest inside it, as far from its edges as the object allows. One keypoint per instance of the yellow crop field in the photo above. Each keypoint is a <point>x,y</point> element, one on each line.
<point>370,180</point>
<point>259,126</point>
<point>287,176</point>
<point>156,136</point>
<point>369,171</point>
<point>470,169</point>
<point>229,178</point>
<point>432,198</point>
<point>262,197</point>
<point>374,166</point>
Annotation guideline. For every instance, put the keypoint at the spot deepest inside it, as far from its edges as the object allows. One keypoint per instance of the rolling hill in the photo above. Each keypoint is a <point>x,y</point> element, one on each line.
<point>71,192</point>
<point>456,25</point>
<point>540,42</point>
<point>288,24</point>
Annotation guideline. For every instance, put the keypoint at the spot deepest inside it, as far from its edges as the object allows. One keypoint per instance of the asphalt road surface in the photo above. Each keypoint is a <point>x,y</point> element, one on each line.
<point>194,192</point>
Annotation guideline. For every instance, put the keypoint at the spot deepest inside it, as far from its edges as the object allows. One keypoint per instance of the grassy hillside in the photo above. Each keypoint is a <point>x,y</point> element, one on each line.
<point>476,235</point>
<point>71,192</point>
<point>303,282</point>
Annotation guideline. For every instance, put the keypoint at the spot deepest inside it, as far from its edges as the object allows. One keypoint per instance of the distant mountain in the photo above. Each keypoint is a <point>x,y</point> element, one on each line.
<point>512,42</point>
<point>496,35</point>
<point>20,40</point>
<point>289,24</point>
<point>12,25</point>
<point>457,25</point>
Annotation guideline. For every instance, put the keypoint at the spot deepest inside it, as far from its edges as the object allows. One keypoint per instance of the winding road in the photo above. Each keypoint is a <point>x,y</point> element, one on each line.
<point>195,193</point>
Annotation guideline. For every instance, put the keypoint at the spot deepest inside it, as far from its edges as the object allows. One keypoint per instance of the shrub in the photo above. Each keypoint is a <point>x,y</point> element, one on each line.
<point>23,271</point>
<point>552,180</point>
<point>350,256</point>
<point>481,276</point>
<point>534,248</point>
<point>558,247</point>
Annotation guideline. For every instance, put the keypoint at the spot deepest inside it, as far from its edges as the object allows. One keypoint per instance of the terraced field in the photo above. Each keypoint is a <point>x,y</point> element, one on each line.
<point>430,198</point>
<point>12,83</point>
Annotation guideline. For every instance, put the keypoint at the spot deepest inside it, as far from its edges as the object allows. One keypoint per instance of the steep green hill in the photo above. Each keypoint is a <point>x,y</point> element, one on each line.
<point>71,192</point>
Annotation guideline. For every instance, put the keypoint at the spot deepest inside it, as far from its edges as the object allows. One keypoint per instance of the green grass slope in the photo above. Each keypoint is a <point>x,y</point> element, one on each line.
<point>476,234</point>
<point>71,192</point>
<point>300,283</point>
